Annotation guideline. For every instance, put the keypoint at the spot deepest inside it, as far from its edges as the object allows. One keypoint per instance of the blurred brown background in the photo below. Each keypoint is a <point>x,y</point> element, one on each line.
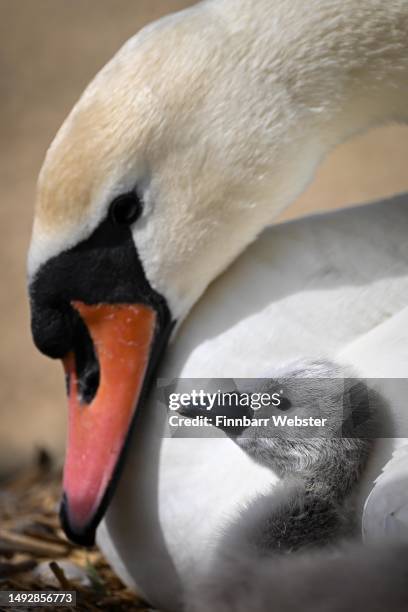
<point>50,49</point>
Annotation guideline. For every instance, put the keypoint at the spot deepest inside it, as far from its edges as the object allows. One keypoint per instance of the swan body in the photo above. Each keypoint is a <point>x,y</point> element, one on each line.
<point>183,149</point>
<point>315,309</point>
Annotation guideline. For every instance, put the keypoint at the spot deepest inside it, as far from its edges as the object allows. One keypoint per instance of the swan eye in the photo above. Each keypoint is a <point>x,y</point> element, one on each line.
<point>125,209</point>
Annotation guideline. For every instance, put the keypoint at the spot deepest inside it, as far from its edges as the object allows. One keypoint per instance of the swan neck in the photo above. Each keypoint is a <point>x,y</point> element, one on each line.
<point>327,70</point>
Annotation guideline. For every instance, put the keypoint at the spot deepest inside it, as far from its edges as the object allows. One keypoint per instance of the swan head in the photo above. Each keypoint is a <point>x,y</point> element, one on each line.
<point>153,185</point>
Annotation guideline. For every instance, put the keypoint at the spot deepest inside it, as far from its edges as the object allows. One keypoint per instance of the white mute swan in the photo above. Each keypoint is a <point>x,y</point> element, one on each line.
<point>183,148</point>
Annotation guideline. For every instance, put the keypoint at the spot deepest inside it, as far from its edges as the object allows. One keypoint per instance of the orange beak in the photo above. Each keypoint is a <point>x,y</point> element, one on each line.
<point>122,337</point>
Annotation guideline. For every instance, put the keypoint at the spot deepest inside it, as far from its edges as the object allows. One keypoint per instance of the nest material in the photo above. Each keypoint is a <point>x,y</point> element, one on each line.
<point>30,535</point>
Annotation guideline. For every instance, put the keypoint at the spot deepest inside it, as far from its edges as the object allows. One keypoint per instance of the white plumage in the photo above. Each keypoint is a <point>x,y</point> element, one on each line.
<point>330,285</point>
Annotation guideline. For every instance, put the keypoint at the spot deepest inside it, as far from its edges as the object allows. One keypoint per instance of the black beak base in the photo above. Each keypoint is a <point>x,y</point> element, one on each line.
<point>105,268</point>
